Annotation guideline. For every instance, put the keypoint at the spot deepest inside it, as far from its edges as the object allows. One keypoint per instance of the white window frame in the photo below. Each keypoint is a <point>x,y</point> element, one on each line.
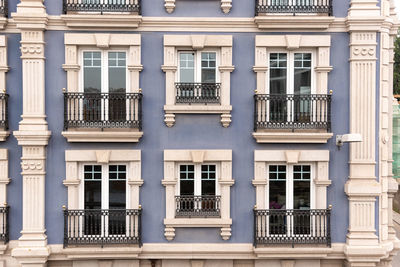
<point>104,184</point>
<point>223,44</point>
<point>104,68</point>
<point>197,177</point>
<point>290,70</point>
<point>172,161</point>
<point>290,182</point>
<point>75,43</point>
<point>197,63</point>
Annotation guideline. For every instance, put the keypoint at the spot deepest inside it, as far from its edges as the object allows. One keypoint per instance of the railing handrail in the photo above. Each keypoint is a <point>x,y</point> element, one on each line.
<point>195,92</point>
<point>278,226</point>
<point>198,205</point>
<point>293,6</point>
<point>72,5</point>
<point>99,111</point>
<point>95,226</point>
<point>292,111</point>
<point>4,222</point>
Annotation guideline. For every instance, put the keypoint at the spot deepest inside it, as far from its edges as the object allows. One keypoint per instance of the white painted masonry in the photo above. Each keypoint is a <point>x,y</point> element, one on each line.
<point>226,6</point>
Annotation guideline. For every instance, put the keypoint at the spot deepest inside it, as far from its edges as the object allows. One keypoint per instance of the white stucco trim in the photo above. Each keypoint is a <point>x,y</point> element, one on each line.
<point>171,160</point>
<point>73,43</point>
<point>298,22</point>
<point>264,45</point>
<point>4,181</point>
<point>73,158</point>
<point>226,6</point>
<point>172,43</point>
<point>98,21</point>
<point>321,177</point>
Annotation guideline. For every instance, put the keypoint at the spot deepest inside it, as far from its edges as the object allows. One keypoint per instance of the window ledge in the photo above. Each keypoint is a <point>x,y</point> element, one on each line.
<point>300,250</point>
<point>101,21</point>
<point>302,21</point>
<point>91,252</point>
<point>171,224</point>
<point>3,248</point>
<point>109,136</point>
<point>4,135</point>
<point>279,137</point>
<point>171,110</point>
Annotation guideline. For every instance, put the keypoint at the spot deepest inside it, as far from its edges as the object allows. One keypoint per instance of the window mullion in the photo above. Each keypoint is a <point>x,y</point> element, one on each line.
<point>289,185</point>
<point>104,187</point>
<point>197,180</point>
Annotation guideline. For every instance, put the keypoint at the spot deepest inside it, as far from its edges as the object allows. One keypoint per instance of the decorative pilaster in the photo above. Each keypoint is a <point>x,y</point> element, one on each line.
<point>33,134</point>
<point>362,188</point>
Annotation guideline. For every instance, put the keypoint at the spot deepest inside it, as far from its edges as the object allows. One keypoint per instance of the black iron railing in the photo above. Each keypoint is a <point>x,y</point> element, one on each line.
<point>4,230</point>
<point>198,206</point>
<point>292,112</point>
<point>4,8</point>
<point>294,6</point>
<point>102,110</point>
<point>4,111</point>
<point>292,227</point>
<point>198,92</point>
<point>101,227</point>
<point>101,6</point>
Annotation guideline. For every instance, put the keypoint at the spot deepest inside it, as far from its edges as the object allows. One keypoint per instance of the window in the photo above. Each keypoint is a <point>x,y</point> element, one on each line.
<point>290,87</point>
<point>291,189</point>
<point>198,194</point>
<point>103,197</point>
<point>103,88</point>
<point>197,74</point>
<point>104,189</point>
<point>292,100</point>
<point>197,190</point>
<point>197,77</point>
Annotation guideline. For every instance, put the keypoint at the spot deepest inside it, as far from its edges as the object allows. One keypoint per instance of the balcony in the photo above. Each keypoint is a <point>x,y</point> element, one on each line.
<point>202,93</point>
<point>104,113</point>
<point>4,231</point>
<point>304,117</point>
<point>102,227</point>
<point>198,206</point>
<point>102,14</point>
<point>4,8</point>
<point>101,6</point>
<point>294,7</point>
<point>291,227</point>
<point>300,14</point>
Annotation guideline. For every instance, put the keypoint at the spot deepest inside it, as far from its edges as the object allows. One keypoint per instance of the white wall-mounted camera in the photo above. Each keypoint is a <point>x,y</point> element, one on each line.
<point>348,138</point>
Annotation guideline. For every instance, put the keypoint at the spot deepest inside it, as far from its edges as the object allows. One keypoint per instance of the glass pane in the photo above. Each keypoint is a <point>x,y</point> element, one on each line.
<point>117,72</point>
<point>278,73</point>
<point>277,187</point>
<point>301,187</point>
<point>117,187</point>
<point>208,180</point>
<point>186,174</point>
<point>208,67</point>
<point>92,72</point>
<point>92,186</point>
<point>302,73</point>
<point>186,67</point>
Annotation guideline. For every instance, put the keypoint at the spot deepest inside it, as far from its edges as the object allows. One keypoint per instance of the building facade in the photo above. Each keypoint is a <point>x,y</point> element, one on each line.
<point>183,133</point>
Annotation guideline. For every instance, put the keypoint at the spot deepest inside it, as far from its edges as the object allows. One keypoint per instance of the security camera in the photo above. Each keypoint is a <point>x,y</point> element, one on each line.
<point>348,138</point>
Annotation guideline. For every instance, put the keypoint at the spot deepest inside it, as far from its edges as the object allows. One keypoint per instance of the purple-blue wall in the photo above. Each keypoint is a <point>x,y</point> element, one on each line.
<point>190,131</point>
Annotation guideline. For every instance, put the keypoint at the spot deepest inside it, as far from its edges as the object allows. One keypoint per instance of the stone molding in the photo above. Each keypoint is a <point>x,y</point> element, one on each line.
<point>101,22</point>
<point>171,160</point>
<point>320,159</point>
<point>298,22</point>
<point>172,44</point>
<point>264,44</point>
<point>73,45</point>
<point>226,6</point>
<point>75,158</point>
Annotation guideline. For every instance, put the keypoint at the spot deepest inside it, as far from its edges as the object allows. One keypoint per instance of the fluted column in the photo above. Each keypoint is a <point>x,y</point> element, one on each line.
<point>33,134</point>
<point>362,188</point>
